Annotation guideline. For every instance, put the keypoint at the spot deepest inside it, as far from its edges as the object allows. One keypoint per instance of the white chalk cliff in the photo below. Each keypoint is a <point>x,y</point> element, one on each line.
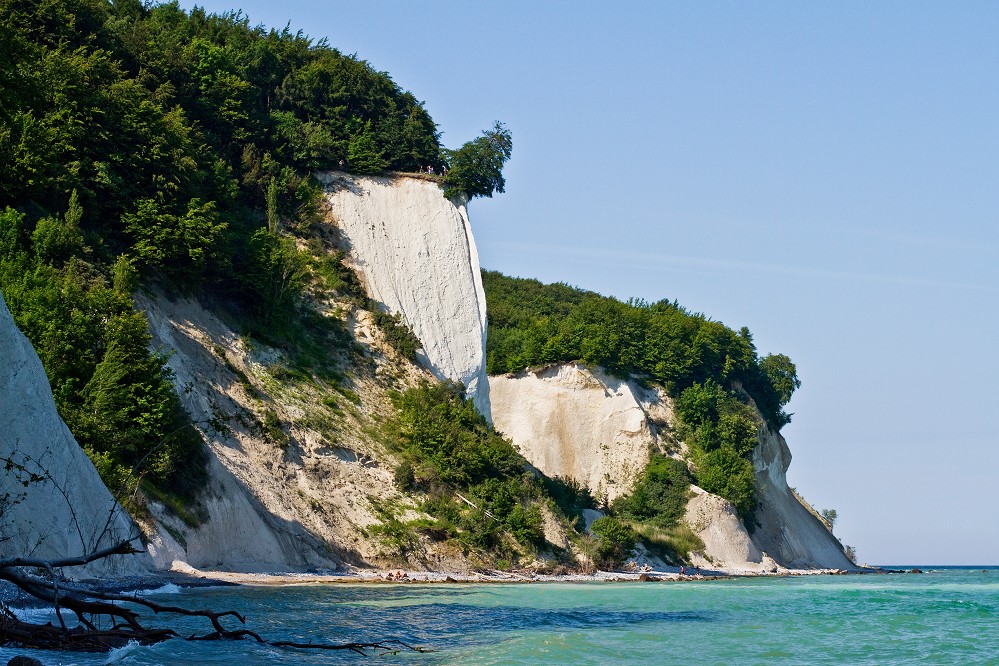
<point>70,511</point>
<point>414,252</point>
<point>572,421</point>
<point>787,530</point>
<point>726,543</point>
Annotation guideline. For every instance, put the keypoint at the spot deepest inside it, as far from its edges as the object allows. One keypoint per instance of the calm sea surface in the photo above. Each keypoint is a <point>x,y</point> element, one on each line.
<point>946,616</point>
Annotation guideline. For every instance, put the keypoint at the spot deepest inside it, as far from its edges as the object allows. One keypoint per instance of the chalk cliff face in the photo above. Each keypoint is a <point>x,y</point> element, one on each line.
<point>727,544</point>
<point>576,422</point>
<point>788,531</point>
<point>69,511</point>
<point>413,250</point>
<point>304,499</point>
<point>572,422</point>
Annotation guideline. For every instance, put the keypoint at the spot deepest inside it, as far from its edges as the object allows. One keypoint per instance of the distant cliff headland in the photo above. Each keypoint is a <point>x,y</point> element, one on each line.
<point>264,323</point>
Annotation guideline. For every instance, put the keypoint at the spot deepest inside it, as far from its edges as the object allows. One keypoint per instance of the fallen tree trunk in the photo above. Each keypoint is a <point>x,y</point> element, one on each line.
<point>15,633</point>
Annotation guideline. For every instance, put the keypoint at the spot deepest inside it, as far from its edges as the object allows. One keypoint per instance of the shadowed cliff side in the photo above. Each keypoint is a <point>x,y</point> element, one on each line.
<point>52,501</point>
<point>787,530</point>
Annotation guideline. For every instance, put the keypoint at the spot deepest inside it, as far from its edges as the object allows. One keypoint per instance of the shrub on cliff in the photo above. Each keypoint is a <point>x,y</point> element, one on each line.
<point>397,333</point>
<point>478,486</point>
<point>721,432</point>
<point>660,493</point>
<point>615,541</point>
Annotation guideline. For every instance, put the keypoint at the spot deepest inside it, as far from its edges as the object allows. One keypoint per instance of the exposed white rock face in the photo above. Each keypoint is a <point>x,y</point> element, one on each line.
<point>573,422</point>
<point>251,520</point>
<point>413,250</point>
<point>727,544</point>
<point>787,530</point>
<point>71,512</point>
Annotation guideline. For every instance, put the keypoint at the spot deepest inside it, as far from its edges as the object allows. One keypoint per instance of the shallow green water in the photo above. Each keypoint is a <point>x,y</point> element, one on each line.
<point>943,617</point>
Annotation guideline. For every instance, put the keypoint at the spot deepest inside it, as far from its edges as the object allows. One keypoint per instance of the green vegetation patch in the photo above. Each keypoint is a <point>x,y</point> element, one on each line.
<point>615,540</point>
<point>721,432</point>
<point>660,494</point>
<point>397,334</point>
<point>479,490</point>
<point>115,395</point>
<point>674,543</point>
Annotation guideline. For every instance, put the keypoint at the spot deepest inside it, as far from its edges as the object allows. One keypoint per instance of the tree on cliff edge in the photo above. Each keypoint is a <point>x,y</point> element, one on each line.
<point>477,167</point>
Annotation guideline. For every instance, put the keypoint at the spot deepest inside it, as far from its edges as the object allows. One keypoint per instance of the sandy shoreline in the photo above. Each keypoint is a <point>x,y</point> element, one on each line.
<point>190,578</point>
<point>199,578</point>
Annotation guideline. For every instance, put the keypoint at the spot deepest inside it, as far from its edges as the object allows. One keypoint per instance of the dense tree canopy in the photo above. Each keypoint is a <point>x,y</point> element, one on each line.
<point>140,141</point>
<point>532,324</point>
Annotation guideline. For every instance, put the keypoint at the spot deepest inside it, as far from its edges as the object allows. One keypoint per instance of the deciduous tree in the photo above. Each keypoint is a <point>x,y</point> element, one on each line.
<point>476,169</point>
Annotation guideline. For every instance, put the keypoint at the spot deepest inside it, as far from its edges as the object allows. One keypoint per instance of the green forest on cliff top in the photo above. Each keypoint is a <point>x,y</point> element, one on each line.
<point>711,371</point>
<point>141,144</point>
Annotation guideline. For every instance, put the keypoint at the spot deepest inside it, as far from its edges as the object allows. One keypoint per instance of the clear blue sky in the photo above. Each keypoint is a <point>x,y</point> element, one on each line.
<point>826,174</point>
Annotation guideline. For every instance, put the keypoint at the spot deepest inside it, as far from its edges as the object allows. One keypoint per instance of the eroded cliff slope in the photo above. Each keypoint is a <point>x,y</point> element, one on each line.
<point>288,496</point>
<point>299,474</point>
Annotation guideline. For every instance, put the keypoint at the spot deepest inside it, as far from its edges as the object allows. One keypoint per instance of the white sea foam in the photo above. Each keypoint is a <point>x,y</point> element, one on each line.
<point>118,654</point>
<point>168,588</point>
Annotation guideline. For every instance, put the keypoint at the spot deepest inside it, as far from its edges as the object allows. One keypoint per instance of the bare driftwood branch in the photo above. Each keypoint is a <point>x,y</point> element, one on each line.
<point>123,548</point>
<point>126,624</point>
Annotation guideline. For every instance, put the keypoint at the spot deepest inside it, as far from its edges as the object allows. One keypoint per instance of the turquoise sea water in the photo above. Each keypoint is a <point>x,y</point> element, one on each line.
<point>946,616</point>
